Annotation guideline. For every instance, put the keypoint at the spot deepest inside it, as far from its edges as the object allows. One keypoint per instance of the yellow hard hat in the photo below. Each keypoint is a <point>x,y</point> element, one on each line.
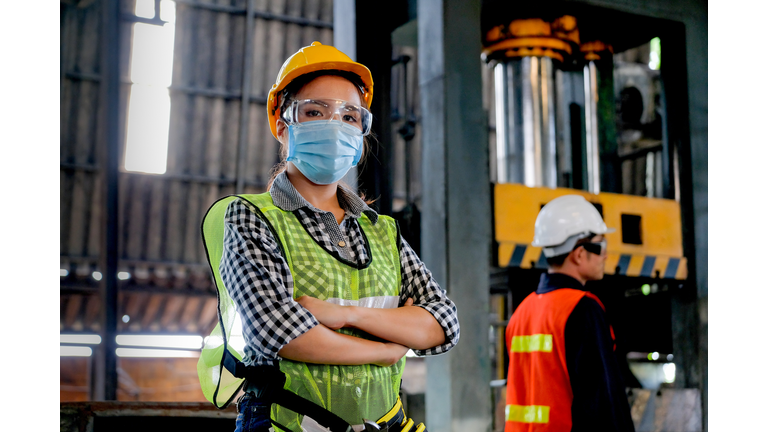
<point>310,59</point>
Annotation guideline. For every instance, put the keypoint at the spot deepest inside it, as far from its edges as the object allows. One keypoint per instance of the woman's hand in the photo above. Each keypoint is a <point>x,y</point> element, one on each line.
<point>330,315</point>
<point>322,345</point>
<point>407,326</point>
<point>393,353</point>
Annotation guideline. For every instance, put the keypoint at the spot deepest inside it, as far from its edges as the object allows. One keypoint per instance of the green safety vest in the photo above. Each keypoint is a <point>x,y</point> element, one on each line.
<point>353,393</point>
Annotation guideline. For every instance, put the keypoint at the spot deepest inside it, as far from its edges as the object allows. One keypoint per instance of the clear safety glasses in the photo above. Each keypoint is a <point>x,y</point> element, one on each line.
<point>307,110</point>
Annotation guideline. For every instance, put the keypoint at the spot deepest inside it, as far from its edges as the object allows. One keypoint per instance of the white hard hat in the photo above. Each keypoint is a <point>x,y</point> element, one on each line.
<point>565,220</point>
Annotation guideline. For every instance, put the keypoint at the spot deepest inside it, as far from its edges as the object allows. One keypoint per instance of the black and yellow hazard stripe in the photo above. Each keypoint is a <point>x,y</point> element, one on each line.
<point>396,421</point>
<point>647,241</point>
<point>636,265</point>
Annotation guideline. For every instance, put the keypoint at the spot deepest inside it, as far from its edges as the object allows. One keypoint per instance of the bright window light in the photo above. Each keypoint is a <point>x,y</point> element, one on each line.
<point>655,56</point>
<point>142,352</point>
<point>213,341</point>
<point>96,275</point>
<point>75,351</point>
<point>63,272</point>
<point>235,340</point>
<point>86,339</point>
<point>669,372</point>
<point>149,104</point>
<point>123,275</point>
<point>145,8</point>
<point>168,11</point>
<point>162,341</point>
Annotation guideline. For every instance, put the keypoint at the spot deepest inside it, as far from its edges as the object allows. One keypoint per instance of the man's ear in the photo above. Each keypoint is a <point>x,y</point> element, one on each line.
<point>577,255</point>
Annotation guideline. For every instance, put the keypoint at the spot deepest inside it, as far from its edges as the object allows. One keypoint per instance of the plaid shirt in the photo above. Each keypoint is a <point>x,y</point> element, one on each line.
<point>259,280</point>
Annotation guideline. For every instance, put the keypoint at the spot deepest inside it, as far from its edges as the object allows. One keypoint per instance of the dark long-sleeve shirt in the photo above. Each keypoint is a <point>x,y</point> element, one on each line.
<point>599,397</point>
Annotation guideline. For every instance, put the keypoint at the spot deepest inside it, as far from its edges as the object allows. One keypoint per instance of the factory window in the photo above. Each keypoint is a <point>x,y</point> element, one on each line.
<point>655,54</point>
<point>149,103</point>
<point>630,229</point>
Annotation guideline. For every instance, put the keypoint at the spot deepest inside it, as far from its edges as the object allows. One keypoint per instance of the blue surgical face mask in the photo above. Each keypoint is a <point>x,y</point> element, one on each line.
<point>324,150</point>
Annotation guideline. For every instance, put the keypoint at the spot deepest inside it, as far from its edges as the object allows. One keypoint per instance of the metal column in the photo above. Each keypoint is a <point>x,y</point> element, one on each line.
<point>374,50</point>
<point>345,40</point>
<point>245,99</point>
<point>105,385</point>
<point>456,218</point>
<point>593,137</point>
<point>525,121</point>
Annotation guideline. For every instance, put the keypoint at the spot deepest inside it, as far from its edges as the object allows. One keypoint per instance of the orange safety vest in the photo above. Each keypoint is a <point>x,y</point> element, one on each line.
<point>539,394</point>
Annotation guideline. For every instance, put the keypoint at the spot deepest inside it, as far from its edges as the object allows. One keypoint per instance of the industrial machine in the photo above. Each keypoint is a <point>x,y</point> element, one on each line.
<point>576,114</point>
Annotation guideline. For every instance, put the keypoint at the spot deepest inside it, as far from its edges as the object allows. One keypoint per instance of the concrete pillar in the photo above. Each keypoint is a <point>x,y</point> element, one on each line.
<point>345,40</point>
<point>456,214</point>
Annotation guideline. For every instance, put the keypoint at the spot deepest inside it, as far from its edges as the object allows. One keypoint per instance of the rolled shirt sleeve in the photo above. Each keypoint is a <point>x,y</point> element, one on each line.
<point>258,279</point>
<point>418,283</point>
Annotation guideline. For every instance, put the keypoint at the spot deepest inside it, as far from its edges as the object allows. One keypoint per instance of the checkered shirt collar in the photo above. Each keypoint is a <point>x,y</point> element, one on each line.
<point>287,198</point>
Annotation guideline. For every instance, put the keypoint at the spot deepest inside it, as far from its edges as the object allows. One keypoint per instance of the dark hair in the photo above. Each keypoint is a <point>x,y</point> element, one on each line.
<point>286,97</point>
<point>557,261</point>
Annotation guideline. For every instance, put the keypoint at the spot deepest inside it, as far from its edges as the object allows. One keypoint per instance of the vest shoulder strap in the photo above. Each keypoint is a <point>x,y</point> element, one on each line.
<point>594,297</point>
<point>263,201</point>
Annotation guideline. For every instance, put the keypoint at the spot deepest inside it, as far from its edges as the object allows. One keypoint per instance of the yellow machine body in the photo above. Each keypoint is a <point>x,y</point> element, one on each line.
<point>659,254</point>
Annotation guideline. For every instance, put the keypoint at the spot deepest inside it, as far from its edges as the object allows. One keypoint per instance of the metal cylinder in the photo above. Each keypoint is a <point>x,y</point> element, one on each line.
<point>525,121</point>
<point>592,144</point>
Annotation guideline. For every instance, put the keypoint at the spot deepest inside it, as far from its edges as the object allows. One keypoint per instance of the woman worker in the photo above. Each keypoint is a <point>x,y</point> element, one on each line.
<point>326,288</point>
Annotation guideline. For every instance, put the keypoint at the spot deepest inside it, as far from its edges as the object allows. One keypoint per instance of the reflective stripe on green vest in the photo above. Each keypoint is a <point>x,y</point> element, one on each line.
<point>351,392</point>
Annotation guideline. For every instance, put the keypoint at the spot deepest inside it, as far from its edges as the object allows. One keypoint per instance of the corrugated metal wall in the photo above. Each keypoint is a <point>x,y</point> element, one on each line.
<point>170,287</point>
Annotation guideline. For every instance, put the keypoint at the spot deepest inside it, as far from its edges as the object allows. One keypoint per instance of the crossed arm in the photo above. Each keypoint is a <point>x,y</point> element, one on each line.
<point>405,327</point>
<point>258,280</point>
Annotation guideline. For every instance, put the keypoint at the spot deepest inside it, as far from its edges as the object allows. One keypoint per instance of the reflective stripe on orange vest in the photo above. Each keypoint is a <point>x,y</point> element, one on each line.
<point>539,394</point>
<point>527,414</point>
<point>532,343</point>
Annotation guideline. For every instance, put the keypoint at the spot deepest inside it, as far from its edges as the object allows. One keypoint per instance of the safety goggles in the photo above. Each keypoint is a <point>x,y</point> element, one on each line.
<point>595,248</point>
<point>307,110</point>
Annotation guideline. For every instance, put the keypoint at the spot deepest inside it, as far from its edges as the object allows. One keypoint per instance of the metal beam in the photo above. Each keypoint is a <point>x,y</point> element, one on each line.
<point>245,103</point>
<point>106,365</point>
<point>190,178</point>
<point>85,289</point>
<point>456,215</point>
<point>191,90</point>
<point>345,40</point>
<point>374,50</point>
<point>257,14</point>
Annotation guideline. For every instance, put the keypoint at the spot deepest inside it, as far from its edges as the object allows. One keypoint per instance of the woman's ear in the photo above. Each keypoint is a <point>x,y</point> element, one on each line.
<point>282,130</point>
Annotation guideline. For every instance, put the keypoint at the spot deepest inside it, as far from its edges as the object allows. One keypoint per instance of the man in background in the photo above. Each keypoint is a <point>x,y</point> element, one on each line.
<point>563,373</point>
